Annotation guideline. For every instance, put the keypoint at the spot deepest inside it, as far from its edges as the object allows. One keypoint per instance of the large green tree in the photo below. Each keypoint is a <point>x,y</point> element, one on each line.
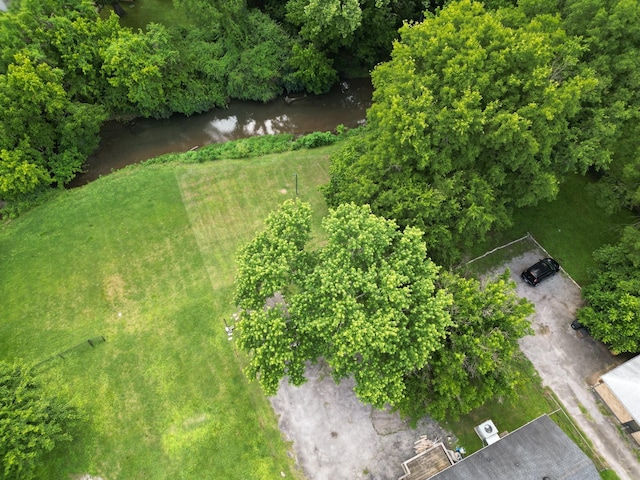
<point>338,37</point>
<point>480,358</point>
<point>68,38</point>
<point>135,65</point>
<point>612,313</point>
<point>366,301</point>
<point>370,303</point>
<point>32,421</point>
<point>325,21</point>
<point>470,118</point>
<point>250,50</point>
<point>611,32</point>
<point>45,137</point>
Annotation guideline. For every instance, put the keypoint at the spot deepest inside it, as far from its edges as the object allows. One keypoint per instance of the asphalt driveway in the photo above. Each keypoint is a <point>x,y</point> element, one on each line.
<point>570,362</point>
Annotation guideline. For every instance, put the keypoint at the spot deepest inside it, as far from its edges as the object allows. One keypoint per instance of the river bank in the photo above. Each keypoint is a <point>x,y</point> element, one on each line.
<point>133,142</point>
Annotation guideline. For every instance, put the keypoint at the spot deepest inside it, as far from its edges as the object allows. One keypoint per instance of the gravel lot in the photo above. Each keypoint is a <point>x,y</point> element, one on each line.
<point>336,437</point>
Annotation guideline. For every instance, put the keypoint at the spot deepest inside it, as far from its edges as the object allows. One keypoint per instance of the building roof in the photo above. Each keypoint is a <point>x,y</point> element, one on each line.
<point>538,450</point>
<point>624,383</point>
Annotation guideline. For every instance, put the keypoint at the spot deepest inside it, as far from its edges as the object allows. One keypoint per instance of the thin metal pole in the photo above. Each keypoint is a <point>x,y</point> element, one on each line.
<point>296,175</point>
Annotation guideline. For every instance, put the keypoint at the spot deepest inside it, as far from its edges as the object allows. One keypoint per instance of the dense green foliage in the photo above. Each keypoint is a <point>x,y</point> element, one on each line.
<point>373,306</point>
<point>254,147</point>
<point>365,302</point>
<point>32,421</point>
<point>218,50</point>
<point>611,33</point>
<point>477,361</point>
<point>612,313</point>
<point>340,36</point>
<point>45,137</point>
<point>471,118</point>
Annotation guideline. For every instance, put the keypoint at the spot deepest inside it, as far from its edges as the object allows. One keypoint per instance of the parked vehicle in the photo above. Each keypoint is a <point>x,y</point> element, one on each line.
<point>545,268</point>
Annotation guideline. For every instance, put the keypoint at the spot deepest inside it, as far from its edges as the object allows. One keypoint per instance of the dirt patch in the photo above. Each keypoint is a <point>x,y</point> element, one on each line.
<point>543,330</point>
<point>335,436</point>
<point>114,288</point>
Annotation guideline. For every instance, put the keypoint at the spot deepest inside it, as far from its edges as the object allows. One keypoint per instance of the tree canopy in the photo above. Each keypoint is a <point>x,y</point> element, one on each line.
<point>63,71</point>
<point>611,31</point>
<point>366,301</point>
<point>45,136</point>
<point>612,314</point>
<point>32,421</point>
<point>371,304</point>
<point>479,359</point>
<point>489,105</point>
<point>471,118</point>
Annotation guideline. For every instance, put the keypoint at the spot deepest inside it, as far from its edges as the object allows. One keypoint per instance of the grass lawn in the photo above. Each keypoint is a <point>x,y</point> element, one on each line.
<point>570,228</point>
<point>145,257</point>
<point>139,13</point>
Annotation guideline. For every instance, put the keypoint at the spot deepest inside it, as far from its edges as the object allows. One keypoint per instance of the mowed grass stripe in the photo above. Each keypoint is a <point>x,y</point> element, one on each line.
<point>227,202</point>
<point>164,396</point>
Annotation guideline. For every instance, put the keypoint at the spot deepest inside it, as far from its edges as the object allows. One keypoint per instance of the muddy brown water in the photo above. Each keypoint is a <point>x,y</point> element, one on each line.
<point>123,145</point>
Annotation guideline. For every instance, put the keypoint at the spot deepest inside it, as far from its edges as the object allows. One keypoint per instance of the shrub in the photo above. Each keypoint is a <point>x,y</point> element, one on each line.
<point>31,421</point>
<point>314,140</point>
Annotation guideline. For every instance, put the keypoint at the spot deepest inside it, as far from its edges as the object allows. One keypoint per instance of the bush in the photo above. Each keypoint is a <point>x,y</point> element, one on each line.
<point>15,207</point>
<point>254,147</point>
<point>314,140</point>
<point>31,421</point>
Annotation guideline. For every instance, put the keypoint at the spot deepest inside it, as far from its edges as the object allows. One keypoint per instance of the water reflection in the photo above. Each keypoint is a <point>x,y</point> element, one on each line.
<point>221,129</point>
<point>123,145</point>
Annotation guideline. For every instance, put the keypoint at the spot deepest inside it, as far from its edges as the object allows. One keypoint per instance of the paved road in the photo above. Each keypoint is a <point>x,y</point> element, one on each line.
<point>570,362</point>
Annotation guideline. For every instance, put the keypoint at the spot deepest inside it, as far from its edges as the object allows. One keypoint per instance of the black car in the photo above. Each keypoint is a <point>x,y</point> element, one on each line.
<point>546,267</point>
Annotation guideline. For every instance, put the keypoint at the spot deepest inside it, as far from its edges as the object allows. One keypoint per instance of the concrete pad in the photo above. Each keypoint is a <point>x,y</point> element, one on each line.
<point>335,436</point>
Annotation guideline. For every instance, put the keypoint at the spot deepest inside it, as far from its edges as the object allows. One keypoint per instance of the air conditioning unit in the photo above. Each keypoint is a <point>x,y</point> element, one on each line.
<point>487,432</point>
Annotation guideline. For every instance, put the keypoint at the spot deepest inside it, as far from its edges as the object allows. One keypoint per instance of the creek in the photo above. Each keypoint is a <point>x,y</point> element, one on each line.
<point>126,144</point>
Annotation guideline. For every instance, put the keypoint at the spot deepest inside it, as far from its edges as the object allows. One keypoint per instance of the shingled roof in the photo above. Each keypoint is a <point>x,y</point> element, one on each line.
<point>539,450</point>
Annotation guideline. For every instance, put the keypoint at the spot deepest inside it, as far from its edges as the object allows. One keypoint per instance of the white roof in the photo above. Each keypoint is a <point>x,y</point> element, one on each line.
<point>624,382</point>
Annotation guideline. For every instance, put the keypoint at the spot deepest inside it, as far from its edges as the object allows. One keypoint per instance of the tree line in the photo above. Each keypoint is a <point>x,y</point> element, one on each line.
<point>64,68</point>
